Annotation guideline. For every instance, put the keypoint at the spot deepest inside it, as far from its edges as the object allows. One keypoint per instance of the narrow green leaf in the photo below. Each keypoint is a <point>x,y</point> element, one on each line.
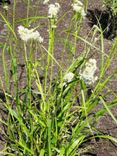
<point>9,26</point>
<point>107,108</point>
<point>42,152</point>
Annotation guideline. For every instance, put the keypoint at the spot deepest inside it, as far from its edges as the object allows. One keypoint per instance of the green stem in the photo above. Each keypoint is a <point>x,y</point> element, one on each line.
<point>78,21</point>
<point>85,106</point>
<point>49,137</point>
<point>85,4</point>
<point>28,73</point>
<point>28,9</point>
<point>14,71</point>
<point>50,51</point>
<point>5,69</point>
<point>14,9</point>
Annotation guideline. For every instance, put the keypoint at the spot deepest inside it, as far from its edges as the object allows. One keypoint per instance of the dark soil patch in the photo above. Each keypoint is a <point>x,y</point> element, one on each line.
<point>104,20</point>
<point>5,2</point>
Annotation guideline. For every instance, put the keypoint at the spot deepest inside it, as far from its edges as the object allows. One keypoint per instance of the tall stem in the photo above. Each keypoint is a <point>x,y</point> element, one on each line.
<point>50,51</point>
<point>28,9</point>
<point>78,21</point>
<point>28,75</point>
<point>14,9</point>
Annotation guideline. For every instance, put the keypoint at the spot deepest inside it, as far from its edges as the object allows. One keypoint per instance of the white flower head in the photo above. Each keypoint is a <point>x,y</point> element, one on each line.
<point>88,74</point>
<point>68,77</point>
<point>5,7</point>
<point>53,10</point>
<point>78,7</point>
<point>45,1</point>
<point>29,34</point>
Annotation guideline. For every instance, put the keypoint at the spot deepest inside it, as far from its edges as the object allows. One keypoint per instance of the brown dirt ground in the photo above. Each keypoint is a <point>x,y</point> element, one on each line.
<point>102,148</point>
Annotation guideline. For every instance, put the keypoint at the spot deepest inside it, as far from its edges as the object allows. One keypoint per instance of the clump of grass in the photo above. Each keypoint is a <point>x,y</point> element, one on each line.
<point>53,115</point>
<point>111,5</point>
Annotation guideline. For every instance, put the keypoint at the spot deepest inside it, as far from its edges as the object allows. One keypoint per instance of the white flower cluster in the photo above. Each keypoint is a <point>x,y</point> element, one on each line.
<point>53,10</point>
<point>26,34</point>
<point>5,7</point>
<point>78,7</point>
<point>45,1</point>
<point>88,73</point>
<point>68,78</point>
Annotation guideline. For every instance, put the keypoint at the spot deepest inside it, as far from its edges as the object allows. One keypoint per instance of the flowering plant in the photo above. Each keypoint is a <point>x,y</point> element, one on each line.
<point>29,34</point>
<point>79,8</point>
<point>53,10</point>
<point>87,74</point>
<point>48,103</point>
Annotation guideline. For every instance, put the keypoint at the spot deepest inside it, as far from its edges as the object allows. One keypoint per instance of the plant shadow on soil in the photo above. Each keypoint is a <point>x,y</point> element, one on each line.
<point>104,21</point>
<point>5,1</point>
